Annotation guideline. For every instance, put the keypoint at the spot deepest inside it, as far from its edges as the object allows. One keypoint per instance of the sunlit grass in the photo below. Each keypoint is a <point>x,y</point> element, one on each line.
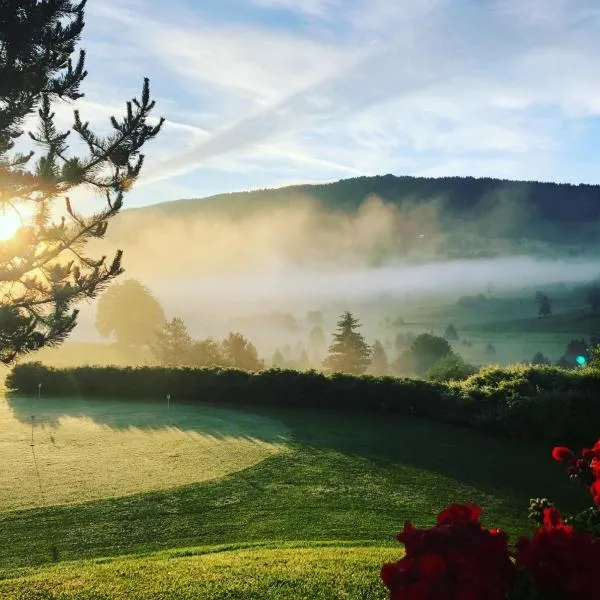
<point>97,449</point>
<point>317,572</point>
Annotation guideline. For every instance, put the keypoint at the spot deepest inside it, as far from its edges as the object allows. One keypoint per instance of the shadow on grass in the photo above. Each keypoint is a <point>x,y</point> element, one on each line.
<point>490,463</point>
<point>349,477</point>
<point>217,422</point>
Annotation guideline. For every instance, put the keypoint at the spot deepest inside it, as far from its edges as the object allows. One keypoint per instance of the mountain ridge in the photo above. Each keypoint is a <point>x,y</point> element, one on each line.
<point>555,202</point>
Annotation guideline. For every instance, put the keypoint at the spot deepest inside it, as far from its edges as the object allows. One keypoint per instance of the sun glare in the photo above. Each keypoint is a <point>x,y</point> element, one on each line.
<point>9,223</point>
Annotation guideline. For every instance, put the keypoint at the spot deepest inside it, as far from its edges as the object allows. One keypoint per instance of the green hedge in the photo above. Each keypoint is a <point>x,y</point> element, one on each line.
<point>524,401</point>
<point>532,401</point>
<point>232,386</point>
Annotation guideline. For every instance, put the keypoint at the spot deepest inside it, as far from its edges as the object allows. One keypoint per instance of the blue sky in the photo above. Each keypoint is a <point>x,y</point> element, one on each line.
<point>262,93</point>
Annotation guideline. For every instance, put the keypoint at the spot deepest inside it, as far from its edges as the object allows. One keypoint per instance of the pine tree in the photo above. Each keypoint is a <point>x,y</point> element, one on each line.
<point>43,268</point>
<point>349,353</point>
<point>379,359</point>
<point>278,362</point>
<point>316,339</point>
<point>304,361</point>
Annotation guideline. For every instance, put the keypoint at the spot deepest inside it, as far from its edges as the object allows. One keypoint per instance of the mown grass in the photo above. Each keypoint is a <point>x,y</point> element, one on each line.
<point>85,450</point>
<point>317,573</point>
<point>347,477</point>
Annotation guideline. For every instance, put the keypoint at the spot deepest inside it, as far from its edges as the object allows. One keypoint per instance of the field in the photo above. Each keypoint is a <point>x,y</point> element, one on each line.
<point>89,450</point>
<point>509,321</point>
<point>320,573</point>
<point>320,515</point>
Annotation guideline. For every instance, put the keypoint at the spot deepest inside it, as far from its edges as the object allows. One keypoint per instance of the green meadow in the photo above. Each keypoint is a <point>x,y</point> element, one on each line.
<point>142,501</point>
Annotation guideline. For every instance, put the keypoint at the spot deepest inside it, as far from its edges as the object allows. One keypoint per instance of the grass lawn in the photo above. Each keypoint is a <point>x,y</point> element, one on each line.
<point>317,573</point>
<point>345,478</point>
<point>86,450</point>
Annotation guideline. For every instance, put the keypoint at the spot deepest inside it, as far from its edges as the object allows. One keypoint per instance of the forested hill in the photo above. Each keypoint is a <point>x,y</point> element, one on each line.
<point>459,196</point>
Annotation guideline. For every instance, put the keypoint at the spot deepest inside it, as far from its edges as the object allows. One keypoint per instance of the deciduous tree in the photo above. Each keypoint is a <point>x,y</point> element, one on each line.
<point>130,313</point>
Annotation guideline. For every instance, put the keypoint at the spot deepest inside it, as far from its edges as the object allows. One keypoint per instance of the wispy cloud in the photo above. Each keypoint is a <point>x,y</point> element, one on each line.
<point>372,85</point>
<point>309,7</point>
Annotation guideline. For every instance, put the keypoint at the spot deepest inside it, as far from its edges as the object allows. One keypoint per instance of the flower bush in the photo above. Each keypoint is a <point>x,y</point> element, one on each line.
<point>459,559</point>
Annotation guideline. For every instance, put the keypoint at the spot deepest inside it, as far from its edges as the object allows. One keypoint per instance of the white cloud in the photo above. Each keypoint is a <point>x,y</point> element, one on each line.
<point>310,7</point>
<point>388,87</point>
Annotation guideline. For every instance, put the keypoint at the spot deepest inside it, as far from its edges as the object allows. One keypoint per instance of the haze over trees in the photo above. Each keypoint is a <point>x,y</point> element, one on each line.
<point>130,314</point>
<point>379,359</point>
<point>427,350</point>
<point>239,352</point>
<point>543,304</point>
<point>349,352</point>
<point>451,334</point>
<point>173,344</point>
<point>44,269</point>
<point>593,297</point>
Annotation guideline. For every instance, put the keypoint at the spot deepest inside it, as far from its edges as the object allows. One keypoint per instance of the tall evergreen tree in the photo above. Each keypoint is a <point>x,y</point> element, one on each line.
<point>349,353</point>
<point>379,359</point>
<point>43,268</point>
<point>316,340</point>
<point>278,362</point>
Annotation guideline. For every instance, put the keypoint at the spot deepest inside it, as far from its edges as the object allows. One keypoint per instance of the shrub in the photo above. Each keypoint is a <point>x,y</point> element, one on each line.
<point>523,400</point>
<point>530,401</point>
<point>451,367</point>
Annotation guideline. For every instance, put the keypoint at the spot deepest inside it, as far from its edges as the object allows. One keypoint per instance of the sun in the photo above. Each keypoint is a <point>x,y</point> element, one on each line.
<point>10,221</point>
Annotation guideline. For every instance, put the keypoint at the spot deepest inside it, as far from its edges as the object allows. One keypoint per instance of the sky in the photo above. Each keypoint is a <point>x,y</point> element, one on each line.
<point>265,93</point>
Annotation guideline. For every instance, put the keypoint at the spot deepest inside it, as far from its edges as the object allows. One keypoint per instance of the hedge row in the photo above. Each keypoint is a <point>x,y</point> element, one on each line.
<point>523,401</point>
<point>232,386</point>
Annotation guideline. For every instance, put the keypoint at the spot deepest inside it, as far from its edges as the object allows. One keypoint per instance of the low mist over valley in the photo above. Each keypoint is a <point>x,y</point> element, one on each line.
<point>381,247</point>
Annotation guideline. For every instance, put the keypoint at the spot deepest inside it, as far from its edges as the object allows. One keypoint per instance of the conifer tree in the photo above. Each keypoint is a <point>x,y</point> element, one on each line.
<point>44,270</point>
<point>379,360</point>
<point>543,304</point>
<point>278,362</point>
<point>349,353</point>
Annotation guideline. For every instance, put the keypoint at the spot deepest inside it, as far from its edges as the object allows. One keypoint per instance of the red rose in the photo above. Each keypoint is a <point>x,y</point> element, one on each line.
<point>457,559</point>
<point>562,563</point>
<point>432,566</point>
<point>562,454</point>
<point>460,514</point>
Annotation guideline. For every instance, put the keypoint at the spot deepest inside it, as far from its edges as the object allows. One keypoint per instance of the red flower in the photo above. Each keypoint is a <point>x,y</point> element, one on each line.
<point>460,514</point>
<point>432,566</point>
<point>553,520</point>
<point>458,559</point>
<point>595,491</point>
<point>563,563</point>
<point>562,454</point>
